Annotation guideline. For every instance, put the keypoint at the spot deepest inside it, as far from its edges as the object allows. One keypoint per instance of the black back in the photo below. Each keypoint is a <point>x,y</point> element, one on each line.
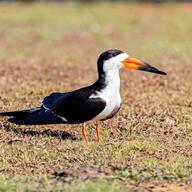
<point>75,106</point>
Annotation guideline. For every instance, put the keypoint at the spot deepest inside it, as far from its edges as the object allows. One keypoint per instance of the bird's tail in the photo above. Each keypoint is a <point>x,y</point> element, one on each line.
<point>35,116</point>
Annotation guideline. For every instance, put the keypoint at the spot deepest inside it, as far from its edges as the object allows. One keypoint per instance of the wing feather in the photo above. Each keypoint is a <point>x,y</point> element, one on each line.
<point>76,106</point>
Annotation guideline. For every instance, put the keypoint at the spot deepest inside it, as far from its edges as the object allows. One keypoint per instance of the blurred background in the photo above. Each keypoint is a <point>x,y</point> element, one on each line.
<point>58,40</point>
<point>48,46</point>
<point>89,1</point>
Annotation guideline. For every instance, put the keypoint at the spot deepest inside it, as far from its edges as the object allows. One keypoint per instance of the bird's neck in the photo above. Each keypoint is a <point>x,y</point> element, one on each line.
<point>110,79</point>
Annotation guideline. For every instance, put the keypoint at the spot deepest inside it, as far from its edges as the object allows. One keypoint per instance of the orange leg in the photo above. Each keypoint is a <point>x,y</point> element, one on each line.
<point>84,134</point>
<point>97,132</point>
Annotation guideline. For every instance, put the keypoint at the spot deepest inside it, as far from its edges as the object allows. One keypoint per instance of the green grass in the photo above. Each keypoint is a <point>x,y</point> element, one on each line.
<point>54,47</point>
<point>43,184</point>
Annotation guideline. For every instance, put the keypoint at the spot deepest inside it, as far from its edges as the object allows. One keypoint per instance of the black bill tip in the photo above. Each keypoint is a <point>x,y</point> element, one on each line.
<point>148,68</point>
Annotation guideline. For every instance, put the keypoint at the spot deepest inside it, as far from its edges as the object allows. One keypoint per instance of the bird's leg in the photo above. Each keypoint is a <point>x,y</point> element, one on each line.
<point>97,132</point>
<point>84,134</point>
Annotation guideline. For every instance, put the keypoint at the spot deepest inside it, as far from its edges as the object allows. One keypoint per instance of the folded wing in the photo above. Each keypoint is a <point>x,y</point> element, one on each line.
<point>74,107</point>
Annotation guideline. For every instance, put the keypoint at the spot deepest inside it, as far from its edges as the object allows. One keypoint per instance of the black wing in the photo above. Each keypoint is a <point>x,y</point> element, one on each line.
<point>34,116</point>
<point>76,106</point>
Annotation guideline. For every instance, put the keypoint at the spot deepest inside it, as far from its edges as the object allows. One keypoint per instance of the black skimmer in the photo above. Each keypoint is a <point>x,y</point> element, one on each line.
<point>97,102</point>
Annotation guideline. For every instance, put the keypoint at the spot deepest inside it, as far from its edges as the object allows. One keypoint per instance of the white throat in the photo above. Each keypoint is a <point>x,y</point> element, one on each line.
<point>112,80</point>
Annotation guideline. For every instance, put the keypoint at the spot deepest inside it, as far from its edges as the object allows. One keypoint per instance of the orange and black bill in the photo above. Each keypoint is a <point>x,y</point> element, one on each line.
<point>136,64</point>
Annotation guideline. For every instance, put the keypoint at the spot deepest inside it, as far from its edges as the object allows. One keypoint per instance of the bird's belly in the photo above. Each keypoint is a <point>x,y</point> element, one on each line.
<point>112,107</point>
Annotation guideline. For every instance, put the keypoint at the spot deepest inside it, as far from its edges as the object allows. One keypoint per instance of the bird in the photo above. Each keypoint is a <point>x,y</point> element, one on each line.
<point>97,102</point>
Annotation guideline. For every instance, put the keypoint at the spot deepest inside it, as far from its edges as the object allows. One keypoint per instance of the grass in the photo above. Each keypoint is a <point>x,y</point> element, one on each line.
<point>54,47</point>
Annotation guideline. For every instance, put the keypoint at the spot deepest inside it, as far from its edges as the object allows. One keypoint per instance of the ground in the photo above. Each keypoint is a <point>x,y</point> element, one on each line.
<point>54,47</point>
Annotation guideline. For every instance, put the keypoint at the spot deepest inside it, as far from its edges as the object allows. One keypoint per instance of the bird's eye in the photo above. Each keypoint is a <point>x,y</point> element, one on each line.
<point>114,54</point>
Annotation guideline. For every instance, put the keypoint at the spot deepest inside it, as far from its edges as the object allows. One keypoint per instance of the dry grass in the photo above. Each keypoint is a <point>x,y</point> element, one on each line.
<point>47,48</point>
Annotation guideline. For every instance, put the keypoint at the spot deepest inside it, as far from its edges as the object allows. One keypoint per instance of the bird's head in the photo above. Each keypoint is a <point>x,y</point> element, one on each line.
<point>115,59</point>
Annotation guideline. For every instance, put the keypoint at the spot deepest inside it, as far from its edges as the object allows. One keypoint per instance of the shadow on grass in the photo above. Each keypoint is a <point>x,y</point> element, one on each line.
<point>64,135</point>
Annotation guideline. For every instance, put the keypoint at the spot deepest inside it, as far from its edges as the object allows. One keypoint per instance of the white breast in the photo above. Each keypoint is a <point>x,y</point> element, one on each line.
<point>110,94</point>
